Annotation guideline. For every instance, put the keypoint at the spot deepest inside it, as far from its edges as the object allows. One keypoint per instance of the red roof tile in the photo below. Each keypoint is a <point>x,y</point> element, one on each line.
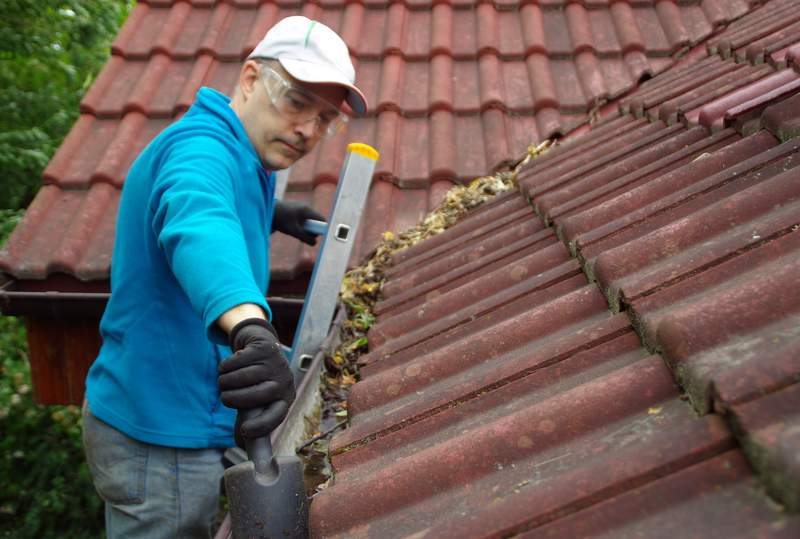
<point>534,385</point>
<point>455,89</point>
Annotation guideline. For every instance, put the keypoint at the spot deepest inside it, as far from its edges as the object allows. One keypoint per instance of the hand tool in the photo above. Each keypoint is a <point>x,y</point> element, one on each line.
<point>266,493</point>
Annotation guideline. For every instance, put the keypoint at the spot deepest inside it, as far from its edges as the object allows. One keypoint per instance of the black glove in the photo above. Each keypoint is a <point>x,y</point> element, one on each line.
<point>289,216</point>
<point>257,375</point>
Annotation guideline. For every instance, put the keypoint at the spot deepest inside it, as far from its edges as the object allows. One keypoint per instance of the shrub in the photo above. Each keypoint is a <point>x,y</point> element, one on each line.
<point>46,490</point>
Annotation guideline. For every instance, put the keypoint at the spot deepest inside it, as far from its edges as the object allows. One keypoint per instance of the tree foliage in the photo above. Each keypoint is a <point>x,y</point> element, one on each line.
<point>50,52</point>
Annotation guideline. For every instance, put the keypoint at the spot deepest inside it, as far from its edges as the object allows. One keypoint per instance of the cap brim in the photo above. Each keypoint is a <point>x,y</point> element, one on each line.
<point>320,74</point>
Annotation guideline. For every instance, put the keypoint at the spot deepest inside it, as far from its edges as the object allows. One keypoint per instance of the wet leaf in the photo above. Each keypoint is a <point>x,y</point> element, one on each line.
<point>359,343</point>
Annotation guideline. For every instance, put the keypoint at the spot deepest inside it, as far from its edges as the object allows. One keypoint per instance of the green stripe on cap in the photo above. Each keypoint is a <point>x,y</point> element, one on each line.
<point>308,35</point>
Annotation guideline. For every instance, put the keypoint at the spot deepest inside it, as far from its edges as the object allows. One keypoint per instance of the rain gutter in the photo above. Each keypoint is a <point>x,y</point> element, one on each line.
<point>61,305</point>
<point>68,305</point>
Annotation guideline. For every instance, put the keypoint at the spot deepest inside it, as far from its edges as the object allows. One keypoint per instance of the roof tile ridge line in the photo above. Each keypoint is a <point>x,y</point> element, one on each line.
<point>755,76</point>
<point>174,24</point>
<point>148,84</point>
<point>677,88</point>
<point>671,19</point>
<point>29,224</point>
<point>770,98</point>
<point>495,94</point>
<point>561,277</point>
<point>194,81</point>
<point>59,164</point>
<point>128,30</point>
<point>80,230</point>
<point>664,79</point>
<point>128,130</point>
<point>657,135</point>
<point>600,340</point>
<point>638,480</point>
<point>753,32</point>
<point>221,15</point>
<point>591,198</point>
<point>624,301</point>
<point>764,10</point>
<point>99,87</point>
<point>724,138</point>
<point>603,135</point>
<point>775,47</point>
<point>733,172</point>
<point>394,39</point>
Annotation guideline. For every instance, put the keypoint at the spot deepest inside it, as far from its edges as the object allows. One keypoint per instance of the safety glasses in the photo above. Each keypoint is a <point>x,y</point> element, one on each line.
<point>299,106</point>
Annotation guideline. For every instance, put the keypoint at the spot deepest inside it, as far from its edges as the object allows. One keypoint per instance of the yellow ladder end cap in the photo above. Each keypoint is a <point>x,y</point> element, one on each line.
<point>363,149</point>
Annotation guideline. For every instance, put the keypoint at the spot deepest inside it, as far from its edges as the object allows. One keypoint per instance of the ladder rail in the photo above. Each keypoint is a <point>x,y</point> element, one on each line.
<point>337,243</point>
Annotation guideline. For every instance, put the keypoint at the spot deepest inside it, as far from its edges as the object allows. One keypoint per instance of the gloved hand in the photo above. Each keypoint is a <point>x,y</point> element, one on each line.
<point>257,375</point>
<point>289,216</point>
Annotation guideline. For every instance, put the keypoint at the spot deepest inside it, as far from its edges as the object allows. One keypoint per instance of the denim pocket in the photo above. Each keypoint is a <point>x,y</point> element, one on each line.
<point>117,461</point>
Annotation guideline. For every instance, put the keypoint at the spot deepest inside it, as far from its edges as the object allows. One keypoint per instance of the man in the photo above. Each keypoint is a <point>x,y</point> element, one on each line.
<point>189,277</point>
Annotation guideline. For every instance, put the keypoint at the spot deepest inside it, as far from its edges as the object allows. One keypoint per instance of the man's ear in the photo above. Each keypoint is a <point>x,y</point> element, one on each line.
<point>248,78</point>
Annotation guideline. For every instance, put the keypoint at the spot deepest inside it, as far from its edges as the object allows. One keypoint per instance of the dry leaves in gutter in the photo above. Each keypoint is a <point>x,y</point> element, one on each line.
<point>362,286</point>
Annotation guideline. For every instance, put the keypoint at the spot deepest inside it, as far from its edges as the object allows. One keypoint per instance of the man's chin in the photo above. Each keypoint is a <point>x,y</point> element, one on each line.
<point>278,162</point>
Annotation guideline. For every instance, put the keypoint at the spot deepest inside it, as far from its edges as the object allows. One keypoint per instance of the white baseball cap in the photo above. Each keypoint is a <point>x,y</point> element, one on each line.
<point>311,52</point>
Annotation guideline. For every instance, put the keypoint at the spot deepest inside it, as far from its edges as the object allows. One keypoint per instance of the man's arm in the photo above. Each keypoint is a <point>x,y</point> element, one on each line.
<point>257,375</point>
<point>233,316</point>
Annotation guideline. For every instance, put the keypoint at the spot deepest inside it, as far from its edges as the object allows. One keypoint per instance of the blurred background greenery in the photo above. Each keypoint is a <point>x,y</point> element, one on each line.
<point>50,52</point>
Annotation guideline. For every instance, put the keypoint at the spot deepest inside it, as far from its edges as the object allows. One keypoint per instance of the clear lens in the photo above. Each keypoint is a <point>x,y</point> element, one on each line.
<point>300,106</point>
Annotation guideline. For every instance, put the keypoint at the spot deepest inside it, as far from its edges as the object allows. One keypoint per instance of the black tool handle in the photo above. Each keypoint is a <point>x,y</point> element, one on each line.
<point>259,450</point>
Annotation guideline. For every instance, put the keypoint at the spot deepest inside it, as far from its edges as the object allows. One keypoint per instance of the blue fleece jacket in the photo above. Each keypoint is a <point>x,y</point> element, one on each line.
<point>191,242</point>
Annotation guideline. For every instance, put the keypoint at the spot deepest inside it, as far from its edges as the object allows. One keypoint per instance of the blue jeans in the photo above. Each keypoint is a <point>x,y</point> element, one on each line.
<point>150,490</point>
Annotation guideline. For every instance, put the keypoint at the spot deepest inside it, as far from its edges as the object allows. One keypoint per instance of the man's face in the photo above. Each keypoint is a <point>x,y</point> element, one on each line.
<point>279,142</point>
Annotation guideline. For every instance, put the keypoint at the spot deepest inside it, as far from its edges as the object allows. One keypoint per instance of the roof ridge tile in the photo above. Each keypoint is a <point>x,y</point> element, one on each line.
<point>591,78</point>
<point>442,153</point>
<point>580,31</point>
<point>788,35</point>
<point>395,30</point>
<point>753,32</point>
<point>764,12</point>
<point>712,115</point>
<point>675,189</point>
<point>108,169</point>
<point>533,35</point>
<point>199,72</point>
<point>170,31</point>
<point>352,26</point>
<point>487,30</point>
<point>129,29</point>
<point>215,29</point>
<point>701,75</point>
<point>77,236</point>
<point>28,227</point>
<point>601,156</point>
<point>148,83</point>
<point>630,38</point>
<point>715,12</point>
<point>96,93</point>
<point>490,87</point>
<point>742,75</point>
<point>660,157</point>
<point>672,22</point>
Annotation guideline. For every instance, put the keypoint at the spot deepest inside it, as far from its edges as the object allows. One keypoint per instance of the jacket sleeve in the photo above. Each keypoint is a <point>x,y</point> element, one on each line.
<point>194,219</point>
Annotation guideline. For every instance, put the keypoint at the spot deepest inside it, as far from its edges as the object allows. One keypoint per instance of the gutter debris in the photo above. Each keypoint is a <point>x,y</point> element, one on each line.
<point>362,288</point>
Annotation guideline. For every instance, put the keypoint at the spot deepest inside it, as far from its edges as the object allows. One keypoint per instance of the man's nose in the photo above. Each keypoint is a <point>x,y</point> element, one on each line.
<point>307,128</point>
